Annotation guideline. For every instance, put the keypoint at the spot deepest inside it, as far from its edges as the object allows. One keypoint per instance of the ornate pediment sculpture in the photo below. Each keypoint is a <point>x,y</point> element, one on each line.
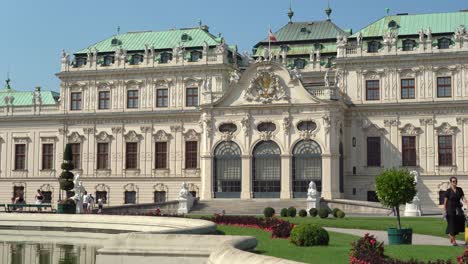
<point>265,87</point>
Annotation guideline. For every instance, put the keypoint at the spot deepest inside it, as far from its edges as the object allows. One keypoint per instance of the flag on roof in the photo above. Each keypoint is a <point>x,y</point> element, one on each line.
<point>271,37</point>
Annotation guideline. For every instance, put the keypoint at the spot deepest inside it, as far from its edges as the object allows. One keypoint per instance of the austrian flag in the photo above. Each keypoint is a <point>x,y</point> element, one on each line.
<point>271,37</point>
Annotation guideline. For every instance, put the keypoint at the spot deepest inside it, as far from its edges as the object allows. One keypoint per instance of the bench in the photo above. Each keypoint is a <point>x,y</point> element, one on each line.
<point>13,207</point>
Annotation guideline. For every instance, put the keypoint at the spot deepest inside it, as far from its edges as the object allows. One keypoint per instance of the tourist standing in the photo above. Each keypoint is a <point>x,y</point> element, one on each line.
<point>91,203</point>
<point>85,202</point>
<point>453,210</point>
<point>39,198</point>
<point>100,205</point>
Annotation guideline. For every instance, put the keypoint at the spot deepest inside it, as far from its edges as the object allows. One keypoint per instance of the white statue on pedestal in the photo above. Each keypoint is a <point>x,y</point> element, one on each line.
<point>313,197</point>
<point>414,208</point>
<point>185,200</point>
<point>79,191</point>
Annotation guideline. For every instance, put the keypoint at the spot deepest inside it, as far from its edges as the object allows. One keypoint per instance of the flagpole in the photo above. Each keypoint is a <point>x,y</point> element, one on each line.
<point>269,42</point>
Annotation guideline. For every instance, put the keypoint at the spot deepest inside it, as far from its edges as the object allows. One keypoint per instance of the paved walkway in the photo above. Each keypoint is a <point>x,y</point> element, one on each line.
<point>382,236</point>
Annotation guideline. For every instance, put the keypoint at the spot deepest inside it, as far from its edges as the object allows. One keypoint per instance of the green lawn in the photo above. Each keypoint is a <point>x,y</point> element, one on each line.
<point>338,249</point>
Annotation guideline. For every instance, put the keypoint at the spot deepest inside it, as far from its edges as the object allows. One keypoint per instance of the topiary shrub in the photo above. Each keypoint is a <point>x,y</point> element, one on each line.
<point>284,212</point>
<point>340,214</point>
<point>323,213</point>
<point>307,235</point>
<point>334,211</point>
<point>66,177</point>
<point>313,212</point>
<point>268,212</point>
<point>292,212</point>
<point>302,213</point>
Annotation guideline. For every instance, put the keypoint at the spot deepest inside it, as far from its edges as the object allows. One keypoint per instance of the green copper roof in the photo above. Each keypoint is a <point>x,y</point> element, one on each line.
<point>159,39</point>
<point>411,24</point>
<point>23,98</point>
<point>307,31</point>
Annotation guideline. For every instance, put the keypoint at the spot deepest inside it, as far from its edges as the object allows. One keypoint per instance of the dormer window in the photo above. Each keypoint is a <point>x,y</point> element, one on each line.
<point>299,63</point>
<point>373,46</point>
<point>115,42</point>
<point>185,37</point>
<point>303,30</point>
<point>443,43</point>
<point>108,60</point>
<point>165,57</point>
<point>392,24</point>
<point>408,45</point>
<point>136,59</point>
<point>80,61</point>
<point>195,56</point>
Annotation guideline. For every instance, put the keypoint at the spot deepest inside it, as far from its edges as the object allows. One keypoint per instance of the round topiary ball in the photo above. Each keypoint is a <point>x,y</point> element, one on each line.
<point>67,166</point>
<point>284,212</point>
<point>340,214</point>
<point>292,212</point>
<point>302,213</point>
<point>66,184</point>
<point>307,235</point>
<point>313,212</point>
<point>323,213</point>
<point>334,211</point>
<point>67,175</point>
<point>268,212</point>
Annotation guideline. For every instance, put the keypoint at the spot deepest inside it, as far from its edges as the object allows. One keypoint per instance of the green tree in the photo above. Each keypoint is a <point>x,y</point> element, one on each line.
<point>66,177</point>
<point>395,187</point>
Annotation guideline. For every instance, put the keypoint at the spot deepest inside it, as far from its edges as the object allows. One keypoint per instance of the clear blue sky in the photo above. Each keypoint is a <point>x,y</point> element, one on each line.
<point>34,31</point>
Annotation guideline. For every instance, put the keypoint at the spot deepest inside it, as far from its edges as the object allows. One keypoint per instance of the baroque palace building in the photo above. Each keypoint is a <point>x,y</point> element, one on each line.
<point>146,111</point>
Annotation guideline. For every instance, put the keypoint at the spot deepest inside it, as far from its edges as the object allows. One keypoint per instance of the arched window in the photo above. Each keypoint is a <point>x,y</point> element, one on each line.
<point>227,170</point>
<point>136,59</point>
<point>307,166</point>
<point>165,57</point>
<point>228,127</point>
<point>266,127</point>
<point>299,63</point>
<point>266,170</point>
<point>108,60</point>
<point>373,46</point>
<point>306,126</point>
<point>443,43</point>
<point>408,45</point>
<point>392,24</point>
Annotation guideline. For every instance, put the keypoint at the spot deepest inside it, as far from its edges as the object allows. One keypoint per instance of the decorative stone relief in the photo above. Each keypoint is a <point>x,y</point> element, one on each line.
<point>287,122</point>
<point>234,77</point>
<point>88,130</point>
<point>146,129</point>
<point>391,122</point>
<point>426,121</point>
<point>191,135</point>
<point>410,130</point>
<point>326,123</point>
<point>265,87</point>
<point>161,188</point>
<point>206,123</point>
<point>21,140</point>
<point>63,131</point>
<point>103,137</point>
<point>130,187</point>
<point>74,137</point>
<point>446,129</point>
<point>48,139</point>
<point>161,136</point>
<point>132,136</point>
<point>372,129</point>
<point>102,188</point>
<point>46,188</point>
<point>176,128</point>
<point>117,130</point>
<point>246,124</point>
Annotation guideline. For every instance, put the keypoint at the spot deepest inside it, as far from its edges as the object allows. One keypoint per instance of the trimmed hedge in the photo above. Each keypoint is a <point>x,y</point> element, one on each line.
<point>292,212</point>
<point>334,211</point>
<point>302,213</point>
<point>284,212</point>
<point>323,213</point>
<point>268,212</point>
<point>307,235</point>
<point>313,212</point>
<point>340,214</point>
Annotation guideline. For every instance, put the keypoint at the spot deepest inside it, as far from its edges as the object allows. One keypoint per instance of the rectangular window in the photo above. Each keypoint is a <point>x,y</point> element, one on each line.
<point>76,155</point>
<point>444,86</point>
<point>102,156</point>
<point>408,150</point>
<point>372,90</point>
<point>20,156</point>
<point>101,195</point>
<point>75,101</point>
<point>373,151</point>
<point>407,89</point>
<point>161,155</point>
<point>47,156</point>
<point>130,197</point>
<point>47,196</point>
<point>159,196</point>
<point>191,98</point>
<point>132,99</point>
<point>131,155</point>
<point>161,98</point>
<point>191,155</point>
<point>445,151</point>
<point>104,100</point>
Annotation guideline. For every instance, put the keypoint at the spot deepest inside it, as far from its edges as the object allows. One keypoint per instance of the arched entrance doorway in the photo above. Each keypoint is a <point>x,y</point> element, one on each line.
<point>307,166</point>
<point>266,170</point>
<point>227,170</point>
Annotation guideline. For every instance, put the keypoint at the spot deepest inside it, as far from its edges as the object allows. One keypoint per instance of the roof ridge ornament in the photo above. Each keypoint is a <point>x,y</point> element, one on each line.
<point>328,11</point>
<point>290,12</point>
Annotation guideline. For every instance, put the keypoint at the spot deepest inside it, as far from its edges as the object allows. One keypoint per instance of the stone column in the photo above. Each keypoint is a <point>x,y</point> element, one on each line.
<point>330,176</point>
<point>285,176</point>
<point>246,181</point>
<point>207,177</point>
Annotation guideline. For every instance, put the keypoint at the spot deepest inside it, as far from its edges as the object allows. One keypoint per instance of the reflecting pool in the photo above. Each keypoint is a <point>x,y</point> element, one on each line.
<point>43,253</point>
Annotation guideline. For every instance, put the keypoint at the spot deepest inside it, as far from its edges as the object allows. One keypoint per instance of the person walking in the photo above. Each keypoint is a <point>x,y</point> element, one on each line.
<point>85,202</point>
<point>39,198</point>
<point>453,211</point>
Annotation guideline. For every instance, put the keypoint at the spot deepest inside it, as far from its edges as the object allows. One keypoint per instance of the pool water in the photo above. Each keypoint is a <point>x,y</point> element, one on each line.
<point>43,253</point>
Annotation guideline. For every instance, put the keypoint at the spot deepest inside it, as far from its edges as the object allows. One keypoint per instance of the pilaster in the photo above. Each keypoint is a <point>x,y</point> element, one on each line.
<point>246,181</point>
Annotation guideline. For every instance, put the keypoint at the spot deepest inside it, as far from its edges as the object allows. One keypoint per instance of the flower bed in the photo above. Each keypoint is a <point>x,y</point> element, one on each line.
<point>277,227</point>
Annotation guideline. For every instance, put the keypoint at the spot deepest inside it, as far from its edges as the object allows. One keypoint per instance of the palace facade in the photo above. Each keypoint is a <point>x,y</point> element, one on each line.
<point>146,111</point>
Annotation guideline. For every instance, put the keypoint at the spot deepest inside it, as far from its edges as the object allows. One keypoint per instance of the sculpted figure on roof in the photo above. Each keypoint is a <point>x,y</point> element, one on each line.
<point>421,35</point>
